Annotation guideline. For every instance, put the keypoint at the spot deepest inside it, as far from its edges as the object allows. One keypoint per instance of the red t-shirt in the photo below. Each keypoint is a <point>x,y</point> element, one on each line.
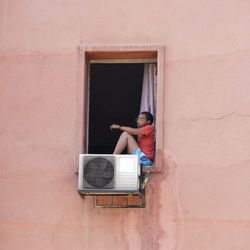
<point>146,141</point>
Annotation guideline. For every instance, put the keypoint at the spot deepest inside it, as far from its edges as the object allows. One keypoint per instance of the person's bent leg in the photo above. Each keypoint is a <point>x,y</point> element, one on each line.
<point>126,140</point>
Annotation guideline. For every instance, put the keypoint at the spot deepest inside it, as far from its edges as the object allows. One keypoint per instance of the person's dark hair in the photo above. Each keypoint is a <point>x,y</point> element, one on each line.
<point>149,116</point>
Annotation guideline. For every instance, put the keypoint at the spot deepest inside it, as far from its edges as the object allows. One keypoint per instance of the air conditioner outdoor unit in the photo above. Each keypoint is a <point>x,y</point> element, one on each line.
<point>106,174</point>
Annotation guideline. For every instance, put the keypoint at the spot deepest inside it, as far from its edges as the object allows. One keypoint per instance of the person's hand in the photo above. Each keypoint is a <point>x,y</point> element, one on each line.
<point>115,126</point>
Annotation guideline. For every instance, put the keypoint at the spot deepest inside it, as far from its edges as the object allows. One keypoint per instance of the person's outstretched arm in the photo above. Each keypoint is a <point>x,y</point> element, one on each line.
<point>132,131</point>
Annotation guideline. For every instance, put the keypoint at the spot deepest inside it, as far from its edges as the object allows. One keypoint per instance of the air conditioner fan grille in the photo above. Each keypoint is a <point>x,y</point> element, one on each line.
<point>99,172</point>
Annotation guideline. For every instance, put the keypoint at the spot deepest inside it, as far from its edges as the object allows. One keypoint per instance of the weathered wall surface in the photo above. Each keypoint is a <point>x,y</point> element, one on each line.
<point>200,200</point>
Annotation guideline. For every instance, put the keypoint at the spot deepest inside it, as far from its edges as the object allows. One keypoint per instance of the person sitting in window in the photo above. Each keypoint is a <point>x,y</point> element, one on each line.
<point>144,146</point>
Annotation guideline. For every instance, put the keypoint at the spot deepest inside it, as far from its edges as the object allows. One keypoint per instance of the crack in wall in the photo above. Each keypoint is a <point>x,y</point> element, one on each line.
<point>178,211</point>
<point>79,14</point>
<point>4,21</point>
<point>207,118</point>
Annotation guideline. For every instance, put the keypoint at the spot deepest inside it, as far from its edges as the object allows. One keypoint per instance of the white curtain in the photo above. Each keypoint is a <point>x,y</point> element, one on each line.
<point>149,88</point>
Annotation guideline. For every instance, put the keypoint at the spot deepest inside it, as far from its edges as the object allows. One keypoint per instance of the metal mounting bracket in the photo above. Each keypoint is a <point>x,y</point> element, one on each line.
<point>134,200</point>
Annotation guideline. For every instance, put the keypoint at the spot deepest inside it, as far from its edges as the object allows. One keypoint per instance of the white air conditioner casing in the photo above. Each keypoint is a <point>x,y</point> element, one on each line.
<point>108,173</point>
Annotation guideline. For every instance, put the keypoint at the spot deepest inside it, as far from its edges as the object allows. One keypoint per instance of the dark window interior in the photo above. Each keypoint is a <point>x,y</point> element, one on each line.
<point>114,97</point>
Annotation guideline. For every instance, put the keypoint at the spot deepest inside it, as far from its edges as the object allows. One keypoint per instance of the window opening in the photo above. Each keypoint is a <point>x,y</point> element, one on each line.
<point>114,97</point>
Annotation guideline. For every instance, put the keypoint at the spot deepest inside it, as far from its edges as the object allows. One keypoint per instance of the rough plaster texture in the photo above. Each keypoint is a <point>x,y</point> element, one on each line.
<point>200,201</point>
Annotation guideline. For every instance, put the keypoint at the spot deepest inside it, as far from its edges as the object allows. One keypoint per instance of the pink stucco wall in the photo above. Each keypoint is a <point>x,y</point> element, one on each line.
<point>200,200</point>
